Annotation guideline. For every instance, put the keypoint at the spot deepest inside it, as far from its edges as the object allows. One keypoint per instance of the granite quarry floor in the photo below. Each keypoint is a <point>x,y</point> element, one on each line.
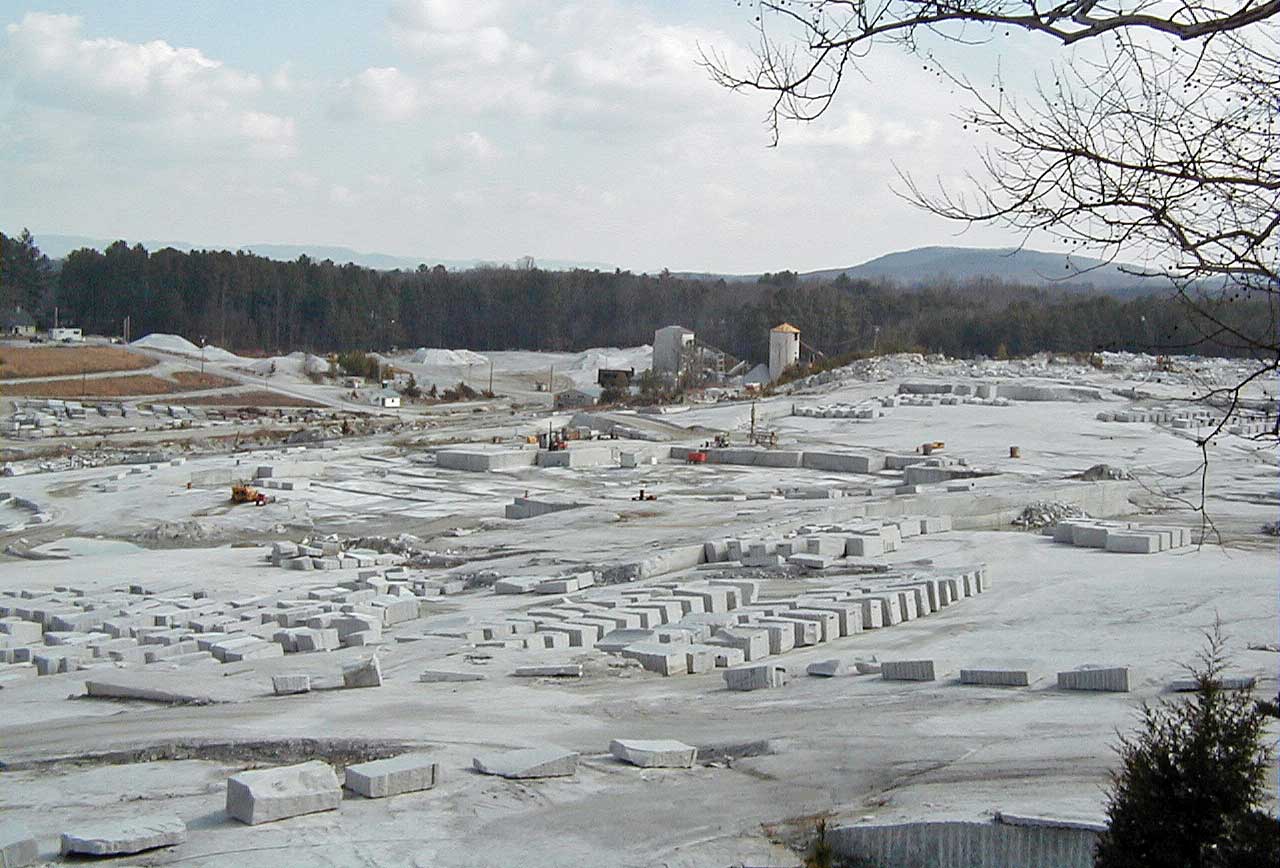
<point>157,559</point>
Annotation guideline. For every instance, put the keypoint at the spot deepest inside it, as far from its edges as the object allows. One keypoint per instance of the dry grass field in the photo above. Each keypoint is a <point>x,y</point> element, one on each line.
<point>56,361</point>
<point>256,398</point>
<point>114,387</point>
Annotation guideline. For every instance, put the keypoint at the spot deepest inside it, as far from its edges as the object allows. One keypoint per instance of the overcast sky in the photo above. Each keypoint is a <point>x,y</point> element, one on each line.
<point>455,129</point>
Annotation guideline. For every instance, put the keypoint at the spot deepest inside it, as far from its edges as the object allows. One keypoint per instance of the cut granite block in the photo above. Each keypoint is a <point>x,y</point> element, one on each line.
<point>406,773</point>
<point>996,677</point>
<point>266,795</point>
<point>116,838</point>
<point>530,763</point>
<point>659,753</point>
<point>18,848</point>
<point>1108,679</point>
<point>287,685</point>
<point>757,677</point>
<point>907,670</point>
<point>365,673</point>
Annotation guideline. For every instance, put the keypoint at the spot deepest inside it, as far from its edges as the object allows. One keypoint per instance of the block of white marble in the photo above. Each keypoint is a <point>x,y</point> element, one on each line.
<point>435,676</point>
<point>517,584</point>
<point>758,677</point>
<point>752,642</point>
<point>265,795</point>
<point>364,673</point>
<point>996,677</point>
<point>658,753</point>
<point>1108,679</point>
<point>864,546</point>
<point>907,670</point>
<point>615,640</point>
<point>121,837</point>
<point>406,773</point>
<point>1133,542</point>
<point>784,633</point>
<point>663,658</point>
<point>289,684</point>
<point>18,847</point>
<point>540,762</point>
<point>827,668</point>
<point>1224,682</point>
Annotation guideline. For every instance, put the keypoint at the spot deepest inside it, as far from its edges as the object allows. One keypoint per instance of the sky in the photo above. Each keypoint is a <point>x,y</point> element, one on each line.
<point>461,129</point>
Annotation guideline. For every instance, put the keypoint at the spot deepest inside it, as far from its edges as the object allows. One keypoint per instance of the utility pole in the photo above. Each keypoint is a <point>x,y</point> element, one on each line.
<point>491,376</point>
<point>126,328</point>
<point>753,422</point>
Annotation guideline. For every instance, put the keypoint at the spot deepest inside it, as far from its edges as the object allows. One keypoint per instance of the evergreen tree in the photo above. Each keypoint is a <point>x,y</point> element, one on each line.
<point>1191,782</point>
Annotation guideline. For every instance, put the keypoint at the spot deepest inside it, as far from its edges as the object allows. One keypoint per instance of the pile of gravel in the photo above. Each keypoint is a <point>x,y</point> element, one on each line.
<point>1046,513</point>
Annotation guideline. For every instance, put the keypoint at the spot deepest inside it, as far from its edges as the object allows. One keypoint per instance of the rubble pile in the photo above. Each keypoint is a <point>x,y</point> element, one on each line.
<point>1042,514</point>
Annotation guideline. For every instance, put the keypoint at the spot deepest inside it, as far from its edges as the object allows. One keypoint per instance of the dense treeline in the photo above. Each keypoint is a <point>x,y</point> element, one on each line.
<point>242,301</point>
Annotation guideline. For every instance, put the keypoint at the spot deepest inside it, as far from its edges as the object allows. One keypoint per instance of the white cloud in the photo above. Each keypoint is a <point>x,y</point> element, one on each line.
<point>380,92</point>
<point>456,31</point>
<point>471,147</point>
<point>165,94</point>
<point>52,60</point>
<point>271,135</point>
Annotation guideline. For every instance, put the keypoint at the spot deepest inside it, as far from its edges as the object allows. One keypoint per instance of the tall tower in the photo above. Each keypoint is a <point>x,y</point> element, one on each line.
<point>784,349</point>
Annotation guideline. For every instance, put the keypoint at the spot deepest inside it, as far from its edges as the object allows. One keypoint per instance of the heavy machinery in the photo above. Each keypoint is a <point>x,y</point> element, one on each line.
<point>243,492</point>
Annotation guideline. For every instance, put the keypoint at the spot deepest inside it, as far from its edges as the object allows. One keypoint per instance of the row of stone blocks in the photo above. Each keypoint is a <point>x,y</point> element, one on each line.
<point>700,643</point>
<point>1120,537</point>
<point>818,549</point>
<point>1110,679</point>
<point>46,636</point>
<point>658,608</point>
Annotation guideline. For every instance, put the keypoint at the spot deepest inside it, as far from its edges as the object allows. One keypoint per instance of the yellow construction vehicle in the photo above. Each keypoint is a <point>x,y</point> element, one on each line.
<point>243,492</point>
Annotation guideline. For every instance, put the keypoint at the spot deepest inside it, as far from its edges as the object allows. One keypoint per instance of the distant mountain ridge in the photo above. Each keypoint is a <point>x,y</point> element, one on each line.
<point>1014,265</point>
<point>929,265</point>
<point>58,246</point>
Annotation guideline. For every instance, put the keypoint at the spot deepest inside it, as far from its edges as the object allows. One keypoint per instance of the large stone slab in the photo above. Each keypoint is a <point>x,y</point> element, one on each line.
<point>18,848</point>
<point>116,838</point>
<point>290,684</point>
<point>164,687</point>
<point>406,773</point>
<point>827,668</point>
<point>996,677</point>
<point>663,658</point>
<point>660,753</point>
<point>266,795</point>
<point>364,673</point>
<point>907,670</point>
<point>753,643</point>
<point>758,677</point>
<point>538,762</point>
<point>435,676</point>
<point>1108,679</point>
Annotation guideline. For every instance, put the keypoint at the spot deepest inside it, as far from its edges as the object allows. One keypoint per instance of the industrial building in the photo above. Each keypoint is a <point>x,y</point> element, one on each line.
<point>670,345</point>
<point>784,349</point>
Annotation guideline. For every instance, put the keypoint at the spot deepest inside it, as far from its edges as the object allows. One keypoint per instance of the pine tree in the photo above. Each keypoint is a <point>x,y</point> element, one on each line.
<point>1191,781</point>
